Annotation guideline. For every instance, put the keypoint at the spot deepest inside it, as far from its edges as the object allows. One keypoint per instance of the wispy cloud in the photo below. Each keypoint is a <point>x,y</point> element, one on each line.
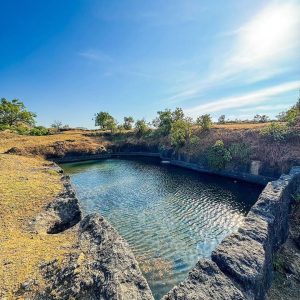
<point>265,108</point>
<point>258,96</point>
<point>96,55</point>
<point>264,47</point>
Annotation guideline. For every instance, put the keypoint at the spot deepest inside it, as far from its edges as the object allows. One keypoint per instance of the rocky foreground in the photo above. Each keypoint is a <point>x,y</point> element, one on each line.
<point>101,265</point>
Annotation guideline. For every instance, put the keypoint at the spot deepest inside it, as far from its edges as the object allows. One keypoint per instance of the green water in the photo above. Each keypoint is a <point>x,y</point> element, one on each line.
<point>171,217</point>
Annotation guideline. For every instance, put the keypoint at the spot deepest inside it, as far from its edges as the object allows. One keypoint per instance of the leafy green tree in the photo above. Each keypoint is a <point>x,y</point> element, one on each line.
<point>111,125</point>
<point>261,118</point>
<point>218,156</point>
<point>221,119</point>
<point>204,121</point>
<point>141,127</point>
<point>177,114</point>
<point>105,121</point>
<point>14,112</point>
<point>164,122</point>
<point>128,123</point>
<point>180,132</point>
<point>291,116</point>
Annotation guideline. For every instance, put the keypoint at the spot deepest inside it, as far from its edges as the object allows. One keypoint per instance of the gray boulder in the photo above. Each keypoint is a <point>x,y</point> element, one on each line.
<point>103,268</point>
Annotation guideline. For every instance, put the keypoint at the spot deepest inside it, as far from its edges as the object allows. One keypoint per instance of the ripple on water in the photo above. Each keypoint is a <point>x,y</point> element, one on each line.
<point>171,217</point>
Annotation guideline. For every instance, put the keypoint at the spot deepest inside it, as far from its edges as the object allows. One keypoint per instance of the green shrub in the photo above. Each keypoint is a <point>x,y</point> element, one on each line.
<point>180,132</point>
<point>218,156</point>
<point>21,129</point>
<point>275,131</point>
<point>240,152</point>
<point>204,121</point>
<point>141,128</point>
<point>194,140</point>
<point>4,127</point>
<point>39,130</point>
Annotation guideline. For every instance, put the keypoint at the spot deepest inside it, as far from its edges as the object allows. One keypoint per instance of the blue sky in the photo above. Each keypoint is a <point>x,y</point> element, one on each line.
<point>67,59</point>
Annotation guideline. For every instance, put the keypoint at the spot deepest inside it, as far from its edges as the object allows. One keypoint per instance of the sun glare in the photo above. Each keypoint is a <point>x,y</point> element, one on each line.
<point>273,31</point>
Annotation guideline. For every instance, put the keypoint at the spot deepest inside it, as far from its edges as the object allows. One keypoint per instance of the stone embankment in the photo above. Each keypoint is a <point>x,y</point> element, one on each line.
<point>241,267</point>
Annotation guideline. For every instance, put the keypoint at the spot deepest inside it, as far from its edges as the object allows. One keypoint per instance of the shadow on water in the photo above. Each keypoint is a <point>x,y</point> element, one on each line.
<point>170,216</point>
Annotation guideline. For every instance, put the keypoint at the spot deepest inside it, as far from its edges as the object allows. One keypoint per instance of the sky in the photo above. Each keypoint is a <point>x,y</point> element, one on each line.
<point>69,59</point>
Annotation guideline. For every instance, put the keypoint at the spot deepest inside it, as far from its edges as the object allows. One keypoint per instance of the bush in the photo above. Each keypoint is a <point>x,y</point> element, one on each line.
<point>4,127</point>
<point>275,131</point>
<point>218,156</point>
<point>39,130</point>
<point>240,152</point>
<point>204,121</point>
<point>20,129</point>
<point>180,132</point>
<point>194,140</point>
<point>141,128</point>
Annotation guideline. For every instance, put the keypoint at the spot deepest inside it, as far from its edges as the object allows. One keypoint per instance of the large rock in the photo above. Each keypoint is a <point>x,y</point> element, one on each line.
<point>243,260</point>
<point>62,213</point>
<point>205,282</point>
<point>104,267</point>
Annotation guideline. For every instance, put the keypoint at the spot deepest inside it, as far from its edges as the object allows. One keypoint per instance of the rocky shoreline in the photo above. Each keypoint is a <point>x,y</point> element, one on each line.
<point>103,266</point>
<point>241,267</point>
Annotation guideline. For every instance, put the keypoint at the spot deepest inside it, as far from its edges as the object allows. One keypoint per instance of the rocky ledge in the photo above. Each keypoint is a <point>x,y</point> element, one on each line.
<point>103,268</point>
<point>101,265</point>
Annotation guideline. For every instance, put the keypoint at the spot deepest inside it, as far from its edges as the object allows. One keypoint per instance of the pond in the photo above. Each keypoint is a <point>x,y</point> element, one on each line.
<point>170,216</point>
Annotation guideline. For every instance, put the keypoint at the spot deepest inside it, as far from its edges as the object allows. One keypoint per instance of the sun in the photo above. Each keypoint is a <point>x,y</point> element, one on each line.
<point>273,31</point>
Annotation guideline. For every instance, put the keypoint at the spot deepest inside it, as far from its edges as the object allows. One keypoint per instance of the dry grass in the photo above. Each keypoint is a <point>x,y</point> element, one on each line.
<point>47,145</point>
<point>237,126</point>
<point>26,187</point>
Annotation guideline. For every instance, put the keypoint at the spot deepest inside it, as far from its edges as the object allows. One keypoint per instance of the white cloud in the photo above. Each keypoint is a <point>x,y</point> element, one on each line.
<point>264,108</point>
<point>264,47</point>
<point>242,100</point>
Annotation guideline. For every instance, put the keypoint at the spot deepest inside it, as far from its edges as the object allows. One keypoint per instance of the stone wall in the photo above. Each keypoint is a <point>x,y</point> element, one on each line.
<point>241,266</point>
<point>245,176</point>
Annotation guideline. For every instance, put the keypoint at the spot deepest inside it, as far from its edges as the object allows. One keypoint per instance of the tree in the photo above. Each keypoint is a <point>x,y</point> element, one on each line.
<point>204,121</point>
<point>218,156</point>
<point>177,114</point>
<point>105,121</point>
<point>291,116</point>
<point>57,125</point>
<point>164,122</point>
<point>141,127</point>
<point>261,118</point>
<point>14,112</point>
<point>111,125</point>
<point>221,119</point>
<point>180,132</point>
<point>128,122</point>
